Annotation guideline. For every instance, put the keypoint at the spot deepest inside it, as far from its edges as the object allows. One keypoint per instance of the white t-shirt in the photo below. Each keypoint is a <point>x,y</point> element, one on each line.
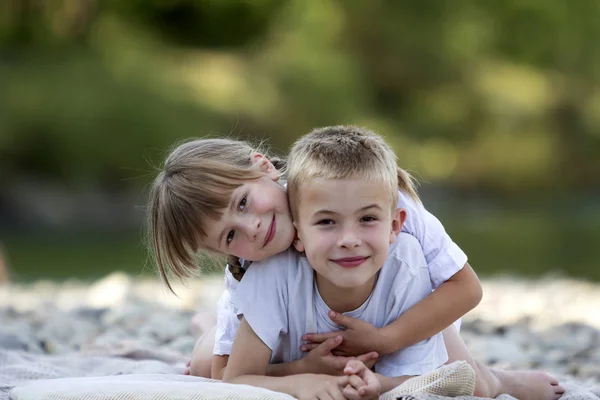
<point>281,302</point>
<point>444,259</point>
<point>227,319</point>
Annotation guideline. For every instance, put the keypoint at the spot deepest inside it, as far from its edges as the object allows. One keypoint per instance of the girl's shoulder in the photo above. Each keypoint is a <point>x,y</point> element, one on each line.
<point>407,202</point>
<point>406,251</point>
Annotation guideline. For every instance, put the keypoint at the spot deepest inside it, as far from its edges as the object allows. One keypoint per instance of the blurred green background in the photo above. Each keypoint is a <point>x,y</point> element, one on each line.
<point>493,105</point>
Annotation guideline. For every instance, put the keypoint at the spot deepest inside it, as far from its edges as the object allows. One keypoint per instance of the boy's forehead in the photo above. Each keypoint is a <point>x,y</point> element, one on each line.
<point>344,192</point>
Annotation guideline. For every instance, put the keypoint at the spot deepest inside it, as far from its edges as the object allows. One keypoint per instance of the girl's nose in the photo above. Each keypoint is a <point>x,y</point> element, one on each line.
<point>252,227</point>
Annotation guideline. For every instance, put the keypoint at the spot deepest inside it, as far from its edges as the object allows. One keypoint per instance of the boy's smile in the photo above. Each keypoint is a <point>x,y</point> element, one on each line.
<point>350,262</point>
<point>345,226</point>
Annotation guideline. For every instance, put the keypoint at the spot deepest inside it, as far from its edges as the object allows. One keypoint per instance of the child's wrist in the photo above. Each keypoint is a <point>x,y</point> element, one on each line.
<point>300,366</point>
<point>385,343</point>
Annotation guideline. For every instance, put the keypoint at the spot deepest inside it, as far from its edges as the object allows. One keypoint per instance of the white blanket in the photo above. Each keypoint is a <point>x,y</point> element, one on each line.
<point>133,373</point>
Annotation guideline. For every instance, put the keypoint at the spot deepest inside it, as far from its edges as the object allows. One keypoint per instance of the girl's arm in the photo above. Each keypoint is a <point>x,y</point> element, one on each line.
<point>218,365</point>
<point>449,302</point>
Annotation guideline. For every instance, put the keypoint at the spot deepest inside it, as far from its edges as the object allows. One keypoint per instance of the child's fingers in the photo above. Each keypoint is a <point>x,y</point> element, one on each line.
<point>309,346</point>
<point>368,359</point>
<point>354,367</point>
<point>337,363</point>
<point>327,346</point>
<point>341,353</point>
<point>369,391</point>
<point>335,393</point>
<point>319,337</point>
<point>372,386</point>
<point>351,393</point>
<point>356,382</point>
<point>343,320</point>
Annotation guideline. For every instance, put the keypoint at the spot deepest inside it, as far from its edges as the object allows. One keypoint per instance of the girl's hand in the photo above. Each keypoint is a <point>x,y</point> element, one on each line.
<point>363,383</point>
<point>320,359</point>
<point>359,337</point>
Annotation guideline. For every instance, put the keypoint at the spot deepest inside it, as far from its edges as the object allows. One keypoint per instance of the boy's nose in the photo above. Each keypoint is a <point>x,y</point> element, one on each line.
<point>349,239</point>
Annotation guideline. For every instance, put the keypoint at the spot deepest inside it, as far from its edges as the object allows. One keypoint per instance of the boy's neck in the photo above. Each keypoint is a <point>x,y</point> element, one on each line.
<point>344,299</point>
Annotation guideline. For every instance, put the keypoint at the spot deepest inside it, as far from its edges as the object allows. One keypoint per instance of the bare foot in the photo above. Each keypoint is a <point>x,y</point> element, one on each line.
<point>186,371</point>
<point>528,385</point>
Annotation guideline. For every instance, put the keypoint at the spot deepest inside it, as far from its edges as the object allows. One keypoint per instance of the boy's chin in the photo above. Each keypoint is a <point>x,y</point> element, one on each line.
<point>351,283</point>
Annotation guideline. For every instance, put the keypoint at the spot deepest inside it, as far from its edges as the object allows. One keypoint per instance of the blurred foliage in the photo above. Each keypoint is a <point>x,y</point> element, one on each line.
<point>499,96</point>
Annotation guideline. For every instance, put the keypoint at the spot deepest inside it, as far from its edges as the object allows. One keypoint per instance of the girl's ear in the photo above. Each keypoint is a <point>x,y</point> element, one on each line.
<point>398,218</point>
<point>265,165</point>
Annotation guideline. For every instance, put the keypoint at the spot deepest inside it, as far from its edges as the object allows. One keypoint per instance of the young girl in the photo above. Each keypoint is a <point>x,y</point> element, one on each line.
<point>219,196</point>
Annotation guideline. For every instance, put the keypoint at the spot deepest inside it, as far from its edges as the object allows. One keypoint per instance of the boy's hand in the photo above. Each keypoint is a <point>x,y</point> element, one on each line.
<point>362,382</point>
<point>318,387</point>
<point>320,359</point>
<point>359,337</point>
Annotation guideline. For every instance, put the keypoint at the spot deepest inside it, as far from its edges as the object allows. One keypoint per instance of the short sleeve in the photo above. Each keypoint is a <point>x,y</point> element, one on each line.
<point>444,258</point>
<point>260,295</point>
<point>417,359</point>
<point>227,319</point>
<point>404,290</point>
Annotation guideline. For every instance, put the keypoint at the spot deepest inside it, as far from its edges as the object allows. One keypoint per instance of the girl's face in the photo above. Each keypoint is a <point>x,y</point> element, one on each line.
<point>257,223</point>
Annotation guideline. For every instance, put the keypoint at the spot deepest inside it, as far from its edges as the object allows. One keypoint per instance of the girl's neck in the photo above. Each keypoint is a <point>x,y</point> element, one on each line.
<point>344,299</point>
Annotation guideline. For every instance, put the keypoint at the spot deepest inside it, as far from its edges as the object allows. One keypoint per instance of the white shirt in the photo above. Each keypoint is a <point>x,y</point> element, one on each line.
<point>279,299</point>
<point>444,259</point>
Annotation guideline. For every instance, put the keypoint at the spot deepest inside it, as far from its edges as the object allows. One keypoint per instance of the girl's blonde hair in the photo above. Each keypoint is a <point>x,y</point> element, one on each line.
<point>192,189</point>
<point>345,152</point>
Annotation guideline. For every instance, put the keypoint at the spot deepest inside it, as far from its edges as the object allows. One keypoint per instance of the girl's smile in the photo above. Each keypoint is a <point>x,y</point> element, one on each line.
<point>257,223</point>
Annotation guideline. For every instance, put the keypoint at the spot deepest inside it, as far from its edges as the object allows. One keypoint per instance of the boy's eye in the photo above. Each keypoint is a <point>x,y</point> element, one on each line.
<point>242,205</point>
<point>368,219</point>
<point>230,236</point>
<point>325,222</point>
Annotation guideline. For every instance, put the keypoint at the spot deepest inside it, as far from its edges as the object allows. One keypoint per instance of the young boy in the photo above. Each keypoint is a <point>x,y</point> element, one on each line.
<point>343,189</point>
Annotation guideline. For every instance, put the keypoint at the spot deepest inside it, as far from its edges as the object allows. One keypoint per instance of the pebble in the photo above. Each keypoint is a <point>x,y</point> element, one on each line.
<point>550,324</point>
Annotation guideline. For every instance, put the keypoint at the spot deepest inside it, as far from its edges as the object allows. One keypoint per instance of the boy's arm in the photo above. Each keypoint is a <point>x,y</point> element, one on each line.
<point>248,364</point>
<point>320,360</point>
<point>220,362</point>
<point>449,302</point>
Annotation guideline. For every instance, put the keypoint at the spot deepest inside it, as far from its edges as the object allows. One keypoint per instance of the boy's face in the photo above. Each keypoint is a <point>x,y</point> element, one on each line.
<point>345,228</point>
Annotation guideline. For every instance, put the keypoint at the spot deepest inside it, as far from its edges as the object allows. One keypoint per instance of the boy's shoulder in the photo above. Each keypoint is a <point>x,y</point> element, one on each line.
<point>287,257</point>
<point>279,267</point>
<point>273,275</point>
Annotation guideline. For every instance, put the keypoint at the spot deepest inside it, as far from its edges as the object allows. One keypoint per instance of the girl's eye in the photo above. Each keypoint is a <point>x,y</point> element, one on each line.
<point>230,236</point>
<point>325,222</point>
<point>242,205</point>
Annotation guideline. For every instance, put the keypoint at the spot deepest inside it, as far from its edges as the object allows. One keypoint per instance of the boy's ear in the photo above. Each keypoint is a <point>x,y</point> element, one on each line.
<point>265,165</point>
<point>298,245</point>
<point>398,218</point>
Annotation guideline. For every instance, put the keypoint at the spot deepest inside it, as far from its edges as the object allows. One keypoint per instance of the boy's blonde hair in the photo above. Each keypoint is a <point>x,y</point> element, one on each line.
<point>192,189</point>
<point>345,152</point>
